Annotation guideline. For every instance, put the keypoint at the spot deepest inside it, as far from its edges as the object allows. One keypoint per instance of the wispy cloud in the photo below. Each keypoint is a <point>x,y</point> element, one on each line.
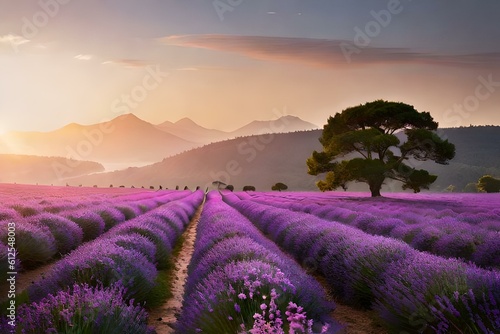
<point>129,63</point>
<point>324,52</point>
<point>13,39</point>
<point>83,57</point>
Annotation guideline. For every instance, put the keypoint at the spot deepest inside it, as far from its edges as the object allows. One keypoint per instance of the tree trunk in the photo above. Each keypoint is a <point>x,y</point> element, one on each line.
<point>375,187</point>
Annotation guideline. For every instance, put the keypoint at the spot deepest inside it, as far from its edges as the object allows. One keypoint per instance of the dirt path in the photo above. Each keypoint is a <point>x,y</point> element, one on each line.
<point>356,321</point>
<point>25,278</point>
<point>163,318</point>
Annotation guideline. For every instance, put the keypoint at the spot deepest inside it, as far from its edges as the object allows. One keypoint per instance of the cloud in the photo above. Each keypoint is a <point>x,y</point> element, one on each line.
<point>129,63</point>
<point>324,52</point>
<point>14,40</point>
<point>83,57</point>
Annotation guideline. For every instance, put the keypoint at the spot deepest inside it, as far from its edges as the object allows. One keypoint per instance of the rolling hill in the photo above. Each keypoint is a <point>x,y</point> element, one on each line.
<point>260,161</point>
<point>264,160</point>
<point>43,170</point>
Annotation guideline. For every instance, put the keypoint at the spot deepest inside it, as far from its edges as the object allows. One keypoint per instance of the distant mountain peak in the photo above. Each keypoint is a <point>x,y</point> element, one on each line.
<point>128,116</point>
<point>71,126</point>
<point>186,121</point>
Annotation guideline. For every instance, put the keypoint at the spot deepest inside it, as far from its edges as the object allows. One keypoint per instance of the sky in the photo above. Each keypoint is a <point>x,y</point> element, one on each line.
<point>224,63</point>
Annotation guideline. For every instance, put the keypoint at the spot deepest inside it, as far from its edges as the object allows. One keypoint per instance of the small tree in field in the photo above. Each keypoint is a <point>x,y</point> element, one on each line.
<point>489,184</point>
<point>450,189</point>
<point>218,184</point>
<point>360,144</point>
<point>248,188</point>
<point>279,187</point>
<point>471,187</point>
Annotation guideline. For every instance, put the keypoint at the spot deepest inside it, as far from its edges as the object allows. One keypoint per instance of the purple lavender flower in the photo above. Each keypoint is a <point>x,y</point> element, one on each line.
<point>68,235</point>
<point>99,262</point>
<point>34,244</point>
<point>89,309</point>
<point>91,223</point>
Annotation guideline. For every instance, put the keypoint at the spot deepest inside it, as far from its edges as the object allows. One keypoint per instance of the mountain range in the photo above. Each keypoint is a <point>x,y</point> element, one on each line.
<point>263,160</point>
<point>129,139</point>
<point>186,154</point>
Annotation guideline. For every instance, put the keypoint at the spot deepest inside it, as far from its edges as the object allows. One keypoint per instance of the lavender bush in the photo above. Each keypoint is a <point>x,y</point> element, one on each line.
<point>91,223</point>
<point>67,234</point>
<point>99,262</point>
<point>84,309</point>
<point>34,244</point>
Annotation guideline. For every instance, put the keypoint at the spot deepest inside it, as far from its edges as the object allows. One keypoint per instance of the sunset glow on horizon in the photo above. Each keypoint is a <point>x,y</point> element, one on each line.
<point>225,65</point>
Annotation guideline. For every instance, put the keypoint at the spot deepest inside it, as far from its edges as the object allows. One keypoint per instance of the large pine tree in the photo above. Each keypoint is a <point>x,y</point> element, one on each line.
<point>366,135</point>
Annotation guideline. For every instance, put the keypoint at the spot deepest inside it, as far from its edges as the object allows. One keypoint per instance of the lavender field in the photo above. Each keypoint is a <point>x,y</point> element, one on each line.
<point>262,262</point>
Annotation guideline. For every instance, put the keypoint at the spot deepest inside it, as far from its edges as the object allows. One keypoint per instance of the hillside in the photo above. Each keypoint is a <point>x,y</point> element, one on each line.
<point>43,170</point>
<point>260,161</point>
<point>264,160</point>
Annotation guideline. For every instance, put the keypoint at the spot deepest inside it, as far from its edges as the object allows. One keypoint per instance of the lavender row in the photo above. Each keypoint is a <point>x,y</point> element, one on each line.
<point>124,261</point>
<point>13,207</point>
<point>239,281</point>
<point>41,237</point>
<point>479,210</point>
<point>448,235</point>
<point>105,255</point>
<point>412,291</point>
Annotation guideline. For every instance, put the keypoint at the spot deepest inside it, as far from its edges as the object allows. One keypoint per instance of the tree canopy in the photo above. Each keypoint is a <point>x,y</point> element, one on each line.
<point>279,187</point>
<point>489,184</point>
<point>360,144</point>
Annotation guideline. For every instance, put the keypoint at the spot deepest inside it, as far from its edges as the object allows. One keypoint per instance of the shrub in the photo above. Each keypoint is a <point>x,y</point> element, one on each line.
<point>34,244</point>
<point>68,235</point>
<point>99,263</point>
<point>84,309</point>
<point>91,223</point>
<point>111,216</point>
<point>158,237</point>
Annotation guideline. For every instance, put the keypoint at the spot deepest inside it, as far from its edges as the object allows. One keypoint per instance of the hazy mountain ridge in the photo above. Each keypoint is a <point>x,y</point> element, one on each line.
<point>264,160</point>
<point>44,170</point>
<point>126,138</point>
<point>187,129</point>
<point>129,139</point>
